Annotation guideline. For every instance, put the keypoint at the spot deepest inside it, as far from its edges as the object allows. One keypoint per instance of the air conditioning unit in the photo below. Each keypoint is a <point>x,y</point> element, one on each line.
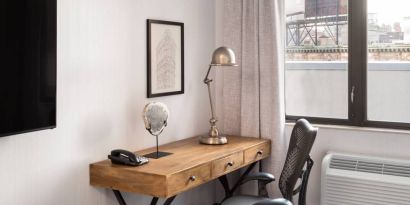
<point>349,179</point>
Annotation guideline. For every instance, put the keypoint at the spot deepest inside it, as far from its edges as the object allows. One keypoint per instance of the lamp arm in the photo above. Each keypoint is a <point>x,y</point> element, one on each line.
<point>208,81</point>
<point>210,101</point>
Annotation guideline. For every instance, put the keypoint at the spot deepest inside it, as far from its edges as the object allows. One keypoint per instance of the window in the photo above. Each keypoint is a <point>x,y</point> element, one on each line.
<point>348,62</point>
<point>316,58</point>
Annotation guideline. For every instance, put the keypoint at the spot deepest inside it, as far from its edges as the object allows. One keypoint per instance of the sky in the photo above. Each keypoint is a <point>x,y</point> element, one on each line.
<point>293,6</point>
<point>389,11</point>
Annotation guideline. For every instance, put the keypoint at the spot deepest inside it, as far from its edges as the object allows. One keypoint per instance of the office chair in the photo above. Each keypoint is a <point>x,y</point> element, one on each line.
<point>301,142</point>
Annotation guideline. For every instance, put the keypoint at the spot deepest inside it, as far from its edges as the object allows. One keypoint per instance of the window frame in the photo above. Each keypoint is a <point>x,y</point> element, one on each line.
<point>357,75</point>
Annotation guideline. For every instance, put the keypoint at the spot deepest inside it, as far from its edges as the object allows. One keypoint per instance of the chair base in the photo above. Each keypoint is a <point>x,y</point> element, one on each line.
<point>254,200</point>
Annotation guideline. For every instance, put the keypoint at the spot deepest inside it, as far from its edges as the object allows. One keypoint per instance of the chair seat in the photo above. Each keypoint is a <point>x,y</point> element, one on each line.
<point>243,200</point>
<point>250,200</point>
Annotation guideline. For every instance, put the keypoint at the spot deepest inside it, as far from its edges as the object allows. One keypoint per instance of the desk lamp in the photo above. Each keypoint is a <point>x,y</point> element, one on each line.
<point>221,57</point>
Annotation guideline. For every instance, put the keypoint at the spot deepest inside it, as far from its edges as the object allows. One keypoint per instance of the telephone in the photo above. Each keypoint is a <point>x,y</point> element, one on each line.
<point>119,156</point>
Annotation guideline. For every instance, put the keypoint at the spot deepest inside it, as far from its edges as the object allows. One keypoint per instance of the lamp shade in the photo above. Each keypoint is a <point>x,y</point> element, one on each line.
<point>223,56</point>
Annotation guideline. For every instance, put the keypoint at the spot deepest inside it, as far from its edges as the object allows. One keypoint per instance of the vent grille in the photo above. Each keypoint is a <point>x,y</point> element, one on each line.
<point>369,166</point>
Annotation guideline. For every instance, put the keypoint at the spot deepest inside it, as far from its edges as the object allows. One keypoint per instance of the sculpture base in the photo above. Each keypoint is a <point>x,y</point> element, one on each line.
<point>213,140</point>
<point>157,155</point>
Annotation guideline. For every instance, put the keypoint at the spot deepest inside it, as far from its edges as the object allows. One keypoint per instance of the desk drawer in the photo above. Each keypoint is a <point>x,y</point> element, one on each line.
<point>227,164</point>
<point>187,179</point>
<point>257,152</point>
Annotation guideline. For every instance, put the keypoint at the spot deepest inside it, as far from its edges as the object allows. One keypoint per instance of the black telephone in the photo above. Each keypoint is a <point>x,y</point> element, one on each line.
<point>120,156</point>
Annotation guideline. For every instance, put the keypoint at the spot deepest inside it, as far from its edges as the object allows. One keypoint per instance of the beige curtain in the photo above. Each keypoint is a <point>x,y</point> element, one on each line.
<point>252,101</point>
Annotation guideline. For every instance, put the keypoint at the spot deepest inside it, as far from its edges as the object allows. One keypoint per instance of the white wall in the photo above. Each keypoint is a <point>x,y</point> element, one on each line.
<point>101,93</point>
<point>366,141</point>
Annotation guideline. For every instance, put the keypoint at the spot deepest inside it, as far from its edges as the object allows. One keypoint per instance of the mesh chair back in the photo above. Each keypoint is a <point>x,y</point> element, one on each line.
<point>301,142</point>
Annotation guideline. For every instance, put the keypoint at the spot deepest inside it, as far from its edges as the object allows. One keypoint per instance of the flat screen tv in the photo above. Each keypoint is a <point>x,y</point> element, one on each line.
<point>27,65</point>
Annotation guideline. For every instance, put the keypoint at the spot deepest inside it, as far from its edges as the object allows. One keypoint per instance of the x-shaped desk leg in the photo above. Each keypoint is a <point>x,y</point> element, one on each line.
<point>154,200</point>
<point>224,181</point>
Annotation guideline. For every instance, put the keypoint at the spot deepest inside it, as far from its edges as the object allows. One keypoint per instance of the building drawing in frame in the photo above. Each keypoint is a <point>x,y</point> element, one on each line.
<point>166,65</point>
<point>165,52</point>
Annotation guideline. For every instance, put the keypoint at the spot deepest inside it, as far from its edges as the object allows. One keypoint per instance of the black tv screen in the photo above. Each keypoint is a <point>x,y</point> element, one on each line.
<point>28,65</point>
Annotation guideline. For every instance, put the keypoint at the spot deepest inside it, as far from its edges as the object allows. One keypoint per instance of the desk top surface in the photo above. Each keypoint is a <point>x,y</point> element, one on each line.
<point>187,153</point>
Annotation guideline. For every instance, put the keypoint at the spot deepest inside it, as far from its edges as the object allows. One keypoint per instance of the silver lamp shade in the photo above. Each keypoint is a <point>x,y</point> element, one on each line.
<point>223,56</point>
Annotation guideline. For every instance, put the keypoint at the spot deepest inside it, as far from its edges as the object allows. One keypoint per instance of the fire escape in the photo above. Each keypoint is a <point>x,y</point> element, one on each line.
<point>328,15</point>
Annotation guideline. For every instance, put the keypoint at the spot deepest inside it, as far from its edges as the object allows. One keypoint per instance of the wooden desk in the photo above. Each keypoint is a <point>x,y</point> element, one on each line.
<point>190,165</point>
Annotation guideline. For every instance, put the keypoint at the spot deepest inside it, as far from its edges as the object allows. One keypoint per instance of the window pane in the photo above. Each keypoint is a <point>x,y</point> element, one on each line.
<point>388,68</point>
<point>316,76</point>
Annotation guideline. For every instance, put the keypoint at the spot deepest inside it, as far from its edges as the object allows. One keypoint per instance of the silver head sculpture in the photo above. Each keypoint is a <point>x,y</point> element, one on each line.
<point>155,117</point>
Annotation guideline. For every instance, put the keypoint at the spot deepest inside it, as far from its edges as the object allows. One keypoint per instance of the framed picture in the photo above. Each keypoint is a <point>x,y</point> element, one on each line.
<point>165,53</point>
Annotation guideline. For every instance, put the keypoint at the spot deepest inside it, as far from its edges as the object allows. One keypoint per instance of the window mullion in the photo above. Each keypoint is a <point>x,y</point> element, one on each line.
<point>357,61</point>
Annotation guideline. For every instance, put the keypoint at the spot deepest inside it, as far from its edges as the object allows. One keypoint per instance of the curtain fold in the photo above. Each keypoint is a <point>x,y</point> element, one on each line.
<point>253,94</point>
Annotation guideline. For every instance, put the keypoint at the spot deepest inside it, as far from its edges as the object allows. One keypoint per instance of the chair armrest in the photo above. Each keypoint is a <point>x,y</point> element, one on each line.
<point>274,202</point>
<point>263,177</point>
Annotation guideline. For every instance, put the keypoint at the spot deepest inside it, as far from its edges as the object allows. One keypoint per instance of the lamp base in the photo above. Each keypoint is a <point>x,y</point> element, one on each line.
<point>213,140</point>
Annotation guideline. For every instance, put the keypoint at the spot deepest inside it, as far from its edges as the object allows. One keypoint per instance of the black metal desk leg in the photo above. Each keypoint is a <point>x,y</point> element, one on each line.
<point>239,182</point>
<point>154,201</point>
<point>119,197</point>
<point>169,200</point>
<point>224,181</point>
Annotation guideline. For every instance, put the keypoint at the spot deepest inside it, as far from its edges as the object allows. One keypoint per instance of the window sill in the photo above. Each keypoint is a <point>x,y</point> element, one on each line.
<point>354,128</point>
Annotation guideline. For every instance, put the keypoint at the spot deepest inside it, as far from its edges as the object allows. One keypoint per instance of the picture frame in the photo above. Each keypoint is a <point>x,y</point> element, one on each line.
<point>165,58</point>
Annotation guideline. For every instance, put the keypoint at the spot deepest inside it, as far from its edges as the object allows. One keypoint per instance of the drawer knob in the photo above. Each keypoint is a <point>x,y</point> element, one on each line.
<point>192,178</point>
<point>260,152</point>
<point>230,164</point>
